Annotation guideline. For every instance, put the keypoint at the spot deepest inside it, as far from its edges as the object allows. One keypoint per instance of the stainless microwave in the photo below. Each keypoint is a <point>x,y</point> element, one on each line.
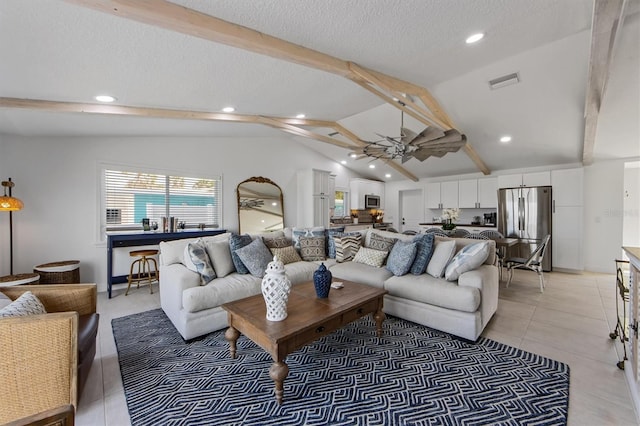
<point>371,201</point>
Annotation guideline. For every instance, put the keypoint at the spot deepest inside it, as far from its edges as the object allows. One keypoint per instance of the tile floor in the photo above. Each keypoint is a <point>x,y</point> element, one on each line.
<point>569,322</point>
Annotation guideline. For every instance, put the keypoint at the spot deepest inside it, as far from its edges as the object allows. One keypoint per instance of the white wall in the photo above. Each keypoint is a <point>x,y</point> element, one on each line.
<point>631,204</point>
<point>57,179</point>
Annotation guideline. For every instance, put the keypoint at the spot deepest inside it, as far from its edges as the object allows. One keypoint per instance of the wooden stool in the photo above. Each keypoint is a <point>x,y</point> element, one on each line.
<point>145,273</point>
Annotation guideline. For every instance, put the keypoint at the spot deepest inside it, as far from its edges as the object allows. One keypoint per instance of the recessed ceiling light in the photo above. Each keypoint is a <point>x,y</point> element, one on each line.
<point>300,116</point>
<point>372,166</point>
<point>274,204</point>
<point>343,162</point>
<point>353,155</point>
<point>474,38</point>
<point>228,109</point>
<point>505,139</point>
<point>105,98</point>
<point>388,175</point>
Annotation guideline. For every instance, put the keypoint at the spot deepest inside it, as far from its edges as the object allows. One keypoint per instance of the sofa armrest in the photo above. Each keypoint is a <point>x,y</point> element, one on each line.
<point>174,279</point>
<point>81,298</point>
<point>38,363</point>
<point>485,278</point>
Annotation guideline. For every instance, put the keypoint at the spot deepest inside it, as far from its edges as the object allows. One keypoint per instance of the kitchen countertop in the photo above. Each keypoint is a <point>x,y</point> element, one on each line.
<point>459,224</point>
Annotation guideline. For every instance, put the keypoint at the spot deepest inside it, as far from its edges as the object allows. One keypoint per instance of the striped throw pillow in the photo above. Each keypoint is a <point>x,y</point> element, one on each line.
<point>346,247</point>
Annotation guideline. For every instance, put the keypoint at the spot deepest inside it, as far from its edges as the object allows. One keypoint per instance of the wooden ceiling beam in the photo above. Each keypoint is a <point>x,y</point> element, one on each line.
<point>289,128</point>
<point>473,155</point>
<point>171,16</point>
<point>608,17</point>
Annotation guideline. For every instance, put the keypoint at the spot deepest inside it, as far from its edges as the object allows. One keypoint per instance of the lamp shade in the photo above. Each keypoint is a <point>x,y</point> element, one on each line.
<point>8,204</point>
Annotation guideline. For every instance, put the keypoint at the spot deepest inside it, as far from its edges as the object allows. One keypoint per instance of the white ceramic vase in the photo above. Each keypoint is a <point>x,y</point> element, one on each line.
<point>276,287</point>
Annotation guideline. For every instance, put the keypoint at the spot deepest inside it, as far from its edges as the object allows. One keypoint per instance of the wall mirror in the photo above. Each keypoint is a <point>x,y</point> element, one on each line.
<point>260,207</point>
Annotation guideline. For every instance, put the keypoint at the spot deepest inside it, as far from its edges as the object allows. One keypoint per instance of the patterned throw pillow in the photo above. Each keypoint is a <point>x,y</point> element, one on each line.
<point>255,256</point>
<point>237,242</point>
<point>346,247</point>
<point>371,257</point>
<point>26,304</point>
<point>442,254</point>
<point>305,232</point>
<point>378,242</point>
<point>276,242</point>
<point>401,257</point>
<point>467,259</point>
<point>286,254</point>
<point>312,248</point>
<point>200,260</point>
<point>329,234</point>
<point>424,251</point>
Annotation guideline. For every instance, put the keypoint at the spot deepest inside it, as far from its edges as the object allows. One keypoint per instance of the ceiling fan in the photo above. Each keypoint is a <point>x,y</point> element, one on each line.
<point>432,141</point>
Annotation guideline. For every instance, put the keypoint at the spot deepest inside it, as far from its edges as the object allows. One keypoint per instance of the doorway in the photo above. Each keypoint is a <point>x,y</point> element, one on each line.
<point>411,210</point>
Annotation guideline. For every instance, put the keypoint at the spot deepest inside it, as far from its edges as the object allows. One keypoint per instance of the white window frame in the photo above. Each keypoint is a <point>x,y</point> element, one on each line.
<point>134,168</point>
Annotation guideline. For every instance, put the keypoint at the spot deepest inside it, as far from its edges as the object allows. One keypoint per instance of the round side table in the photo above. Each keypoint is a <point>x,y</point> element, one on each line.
<point>19,279</point>
<point>65,272</point>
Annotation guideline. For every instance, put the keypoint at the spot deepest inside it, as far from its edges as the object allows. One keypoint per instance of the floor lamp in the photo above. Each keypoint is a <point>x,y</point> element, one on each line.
<point>10,204</point>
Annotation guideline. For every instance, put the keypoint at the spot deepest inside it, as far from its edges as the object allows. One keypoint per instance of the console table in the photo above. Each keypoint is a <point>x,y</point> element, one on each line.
<point>132,239</point>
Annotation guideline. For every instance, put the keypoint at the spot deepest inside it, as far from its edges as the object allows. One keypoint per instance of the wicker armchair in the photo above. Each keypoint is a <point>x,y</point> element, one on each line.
<point>42,363</point>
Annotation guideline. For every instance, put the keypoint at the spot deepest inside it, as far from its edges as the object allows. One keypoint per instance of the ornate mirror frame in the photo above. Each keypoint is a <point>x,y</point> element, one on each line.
<point>256,198</point>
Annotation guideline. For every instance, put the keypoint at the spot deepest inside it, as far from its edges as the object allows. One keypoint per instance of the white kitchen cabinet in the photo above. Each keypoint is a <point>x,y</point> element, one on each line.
<point>361,187</point>
<point>566,240</point>
<point>524,179</point>
<point>478,193</point>
<point>468,194</point>
<point>488,193</point>
<point>568,211</point>
<point>432,192</point>
<point>449,194</point>
<point>567,187</point>
<point>313,198</point>
<point>442,195</point>
<point>332,192</point>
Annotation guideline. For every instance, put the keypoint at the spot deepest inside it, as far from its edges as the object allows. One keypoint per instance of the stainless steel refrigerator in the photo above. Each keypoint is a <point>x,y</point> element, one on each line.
<point>525,213</point>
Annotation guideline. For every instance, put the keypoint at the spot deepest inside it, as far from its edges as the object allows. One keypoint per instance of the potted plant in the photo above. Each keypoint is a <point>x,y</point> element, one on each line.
<point>354,216</point>
<point>449,215</point>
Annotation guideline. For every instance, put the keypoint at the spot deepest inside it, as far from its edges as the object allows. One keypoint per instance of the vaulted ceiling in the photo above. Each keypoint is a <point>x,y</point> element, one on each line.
<point>66,52</point>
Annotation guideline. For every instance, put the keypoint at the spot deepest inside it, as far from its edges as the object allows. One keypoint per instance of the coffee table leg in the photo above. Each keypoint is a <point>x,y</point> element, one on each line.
<point>232,336</point>
<point>379,317</point>
<point>278,372</point>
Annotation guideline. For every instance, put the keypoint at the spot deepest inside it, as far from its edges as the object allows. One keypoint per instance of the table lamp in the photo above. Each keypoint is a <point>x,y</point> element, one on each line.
<point>10,204</point>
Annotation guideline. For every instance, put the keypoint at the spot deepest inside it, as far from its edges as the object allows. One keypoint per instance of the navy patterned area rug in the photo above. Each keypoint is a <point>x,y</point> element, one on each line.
<point>413,375</point>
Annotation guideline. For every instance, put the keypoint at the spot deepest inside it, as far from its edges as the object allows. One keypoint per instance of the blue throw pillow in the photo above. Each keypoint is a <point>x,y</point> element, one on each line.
<point>256,257</point>
<point>401,257</point>
<point>237,242</point>
<point>424,251</point>
<point>329,234</point>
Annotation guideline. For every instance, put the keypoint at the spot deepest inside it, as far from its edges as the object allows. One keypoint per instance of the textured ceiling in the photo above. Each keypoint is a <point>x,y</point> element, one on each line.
<point>61,51</point>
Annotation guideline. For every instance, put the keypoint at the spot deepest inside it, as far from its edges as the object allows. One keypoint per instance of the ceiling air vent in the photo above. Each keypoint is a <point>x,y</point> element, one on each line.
<point>505,80</point>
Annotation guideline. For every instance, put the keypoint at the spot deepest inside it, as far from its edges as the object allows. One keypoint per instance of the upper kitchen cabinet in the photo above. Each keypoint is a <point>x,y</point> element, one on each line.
<point>361,187</point>
<point>478,193</point>
<point>525,179</point>
<point>442,195</point>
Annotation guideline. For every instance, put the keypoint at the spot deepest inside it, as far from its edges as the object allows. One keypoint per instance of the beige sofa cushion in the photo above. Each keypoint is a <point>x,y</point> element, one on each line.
<point>220,291</point>
<point>434,291</point>
<point>360,273</point>
<point>172,251</point>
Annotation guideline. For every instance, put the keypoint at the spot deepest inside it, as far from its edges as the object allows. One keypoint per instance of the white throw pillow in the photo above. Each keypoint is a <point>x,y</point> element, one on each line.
<point>371,257</point>
<point>220,255</point>
<point>26,304</point>
<point>442,254</point>
<point>467,259</point>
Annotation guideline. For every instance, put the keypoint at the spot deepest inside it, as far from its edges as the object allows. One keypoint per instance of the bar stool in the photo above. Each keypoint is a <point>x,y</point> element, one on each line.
<point>145,273</point>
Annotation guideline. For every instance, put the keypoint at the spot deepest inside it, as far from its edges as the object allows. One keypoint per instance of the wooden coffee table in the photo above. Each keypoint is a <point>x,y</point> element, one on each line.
<point>309,318</point>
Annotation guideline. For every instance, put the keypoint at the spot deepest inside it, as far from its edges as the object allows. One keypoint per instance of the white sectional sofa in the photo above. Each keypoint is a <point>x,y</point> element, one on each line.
<point>462,308</point>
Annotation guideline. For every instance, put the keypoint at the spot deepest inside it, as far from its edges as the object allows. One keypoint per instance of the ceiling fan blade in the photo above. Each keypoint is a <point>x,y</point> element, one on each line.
<point>428,134</point>
<point>449,136</point>
<point>421,154</point>
<point>407,135</point>
<point>406,157</point>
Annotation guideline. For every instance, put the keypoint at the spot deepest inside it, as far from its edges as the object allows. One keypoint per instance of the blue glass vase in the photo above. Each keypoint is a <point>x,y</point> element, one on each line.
<point>322,281</point>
